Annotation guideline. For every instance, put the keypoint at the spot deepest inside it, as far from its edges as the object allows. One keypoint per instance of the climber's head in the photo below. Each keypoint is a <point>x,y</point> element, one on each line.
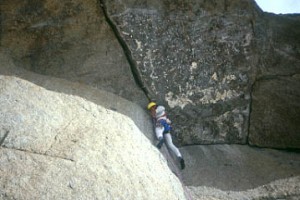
<point>151,105</point>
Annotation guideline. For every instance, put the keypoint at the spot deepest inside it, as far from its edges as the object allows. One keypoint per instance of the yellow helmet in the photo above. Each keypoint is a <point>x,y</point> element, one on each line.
<point>151,104</point>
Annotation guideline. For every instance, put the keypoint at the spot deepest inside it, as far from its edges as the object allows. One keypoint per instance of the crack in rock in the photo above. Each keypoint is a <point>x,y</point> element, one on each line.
<point>4,137</point>
<point>132,63</point>
<point>41,154</point>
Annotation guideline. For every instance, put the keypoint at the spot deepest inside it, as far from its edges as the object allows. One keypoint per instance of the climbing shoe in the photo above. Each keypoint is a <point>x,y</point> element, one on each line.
<point>160,143</point>
<point>182,164</point>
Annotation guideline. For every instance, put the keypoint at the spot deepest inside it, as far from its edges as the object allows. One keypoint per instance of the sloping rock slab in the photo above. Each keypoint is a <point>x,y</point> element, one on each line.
<point>287,189</point>
<point>61,146</point>
<point>237,167</point>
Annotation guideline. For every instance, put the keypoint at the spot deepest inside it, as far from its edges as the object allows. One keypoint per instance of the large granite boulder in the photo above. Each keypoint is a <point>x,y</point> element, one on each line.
<point>56,145</point>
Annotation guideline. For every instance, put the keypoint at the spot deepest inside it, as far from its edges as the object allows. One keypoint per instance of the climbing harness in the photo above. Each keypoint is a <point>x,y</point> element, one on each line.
<point>163,123</point>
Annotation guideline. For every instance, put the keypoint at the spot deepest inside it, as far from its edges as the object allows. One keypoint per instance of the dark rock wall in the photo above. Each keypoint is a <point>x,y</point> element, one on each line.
<point>204,60</point>
<point>199,58</point>
<point>279,45</point>
<point>67,39</point>
<point>275,110</point>
<point>275,118</point>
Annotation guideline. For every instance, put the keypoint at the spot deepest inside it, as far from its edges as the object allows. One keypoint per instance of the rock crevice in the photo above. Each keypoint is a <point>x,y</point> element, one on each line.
<point>38,153</point>
<point>2,139</point>
<point>131,61</point>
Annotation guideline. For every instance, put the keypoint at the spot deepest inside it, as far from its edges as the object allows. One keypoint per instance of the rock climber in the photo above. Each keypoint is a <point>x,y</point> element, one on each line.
<point>163,129</point>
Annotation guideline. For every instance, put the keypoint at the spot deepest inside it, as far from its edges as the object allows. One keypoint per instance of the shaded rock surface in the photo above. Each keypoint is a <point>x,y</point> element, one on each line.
<point>282,189</point>
<point>61,146</point>
<point>275,118</point>
<point>275,105</point>
<point>237,167</point>
<point>70,40</point>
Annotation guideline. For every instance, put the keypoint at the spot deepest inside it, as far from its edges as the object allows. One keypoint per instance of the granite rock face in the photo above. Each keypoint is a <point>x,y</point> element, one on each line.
<point>55,145</point>
<point>199,58</point>
<point>275,96</point>
<point>64,140</point>
<point>202,58</point>
<point>226,71</point>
